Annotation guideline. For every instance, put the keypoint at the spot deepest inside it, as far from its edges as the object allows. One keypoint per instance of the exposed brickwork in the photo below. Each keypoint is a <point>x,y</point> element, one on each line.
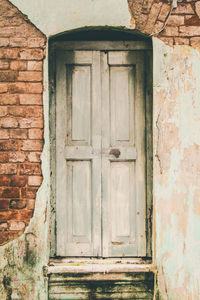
<point>181,26</point>
<point>22,50</point>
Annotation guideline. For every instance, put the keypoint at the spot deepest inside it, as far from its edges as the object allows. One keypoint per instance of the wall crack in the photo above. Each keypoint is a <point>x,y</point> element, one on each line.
<point>157,146</point>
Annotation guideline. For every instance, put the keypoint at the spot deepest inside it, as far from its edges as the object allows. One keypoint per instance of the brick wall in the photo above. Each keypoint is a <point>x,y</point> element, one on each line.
<point>181,25</point>
<point>22,50</point>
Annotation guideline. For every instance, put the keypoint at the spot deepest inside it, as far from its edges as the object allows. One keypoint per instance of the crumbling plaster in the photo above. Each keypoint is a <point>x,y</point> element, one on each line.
<point>176,170</point>
<point>176,140</point>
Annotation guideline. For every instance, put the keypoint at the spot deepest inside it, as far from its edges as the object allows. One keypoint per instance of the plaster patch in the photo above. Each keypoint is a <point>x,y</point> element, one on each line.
<point>66,14</point>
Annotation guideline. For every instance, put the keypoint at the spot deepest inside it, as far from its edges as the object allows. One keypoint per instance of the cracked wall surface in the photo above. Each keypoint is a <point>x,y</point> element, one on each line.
<point>177,170</point>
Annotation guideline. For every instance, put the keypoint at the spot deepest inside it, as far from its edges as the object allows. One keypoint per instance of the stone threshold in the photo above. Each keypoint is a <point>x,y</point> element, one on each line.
<point>102,266</point>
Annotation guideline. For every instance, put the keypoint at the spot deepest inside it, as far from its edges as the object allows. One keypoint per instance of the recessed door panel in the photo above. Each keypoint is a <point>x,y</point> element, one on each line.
<point>79,104</point>
<point>80,206</point>
<point>122,201</point>
<point>122,105</point>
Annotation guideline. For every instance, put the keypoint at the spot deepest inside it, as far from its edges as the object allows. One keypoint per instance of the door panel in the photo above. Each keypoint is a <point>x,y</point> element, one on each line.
<point>78,148</point>
<point>79,116</point>
<point>123,176</point>
<point>122,116</point>
<point>100,153</point>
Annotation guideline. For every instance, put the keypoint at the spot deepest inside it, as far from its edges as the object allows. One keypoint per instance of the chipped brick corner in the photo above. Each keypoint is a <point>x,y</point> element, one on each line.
<point>22,50</point>
<point>177,26</point>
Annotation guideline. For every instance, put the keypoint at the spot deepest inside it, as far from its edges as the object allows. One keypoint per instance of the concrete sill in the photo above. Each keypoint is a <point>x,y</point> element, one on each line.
<point>105,266</point>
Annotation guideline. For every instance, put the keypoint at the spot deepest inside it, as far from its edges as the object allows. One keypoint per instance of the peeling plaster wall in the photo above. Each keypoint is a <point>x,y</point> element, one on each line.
<point>65,15</point>
<point>177,170</point>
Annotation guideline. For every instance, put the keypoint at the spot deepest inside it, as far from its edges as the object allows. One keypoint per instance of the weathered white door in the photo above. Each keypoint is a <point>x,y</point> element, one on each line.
<point>100,153</point>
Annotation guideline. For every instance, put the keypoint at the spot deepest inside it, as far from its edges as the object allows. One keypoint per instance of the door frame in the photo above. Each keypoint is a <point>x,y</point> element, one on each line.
<point>103,45</point>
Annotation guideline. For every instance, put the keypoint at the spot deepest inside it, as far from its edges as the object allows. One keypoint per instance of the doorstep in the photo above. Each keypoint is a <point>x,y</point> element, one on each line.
<point>100,279</point>
<point>92,265</point>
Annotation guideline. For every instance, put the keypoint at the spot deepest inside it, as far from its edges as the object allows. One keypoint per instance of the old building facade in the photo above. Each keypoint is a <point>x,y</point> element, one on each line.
<point>157,67</point>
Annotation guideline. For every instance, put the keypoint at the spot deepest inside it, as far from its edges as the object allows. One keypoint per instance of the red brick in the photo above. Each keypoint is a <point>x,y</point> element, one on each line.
<point>34,156</point>
<point>6,192</point>
<point>8,10</point>
<point>4,42</point>
<point>7,236</point>
<point>17,204</point>
<point>30,76</point>
<point>31,99</point>
<point>16,225</point>
<point>9,145</point>
<point>164,12</point>
<point>181,41</point>
<point>170,31</point>
<point>192,20</point>
<point>195,42</point>
<point>8,169</point>
<point>3,111</point>
<point>26,87</point>
<point>4,157</point>
<point>25,111</point>
<point>35,134</point>
<point>31,123</point>
<point>18,181</point>
<point>21,215</point>
<point>4,134</point>
<point>36,42</point>
<point>9,99</point>
<point>8,122</point>
<point>35,66</point>
<point>8,76</point>
<point>157,28</point>
<point>34,180</point>
<point>189,30</point>
<point>4,181</point>
<point>197,8</point>
<point>32,145</point>
<point>18,42</point>
<point>8,31</point>
<point>18,133</point>
<point>175,20</point>
<point>29,193</point>
<point>17,111</point>
<point>4,65</point>
<point>4,205</point>
<point>153,15</point>
<point>183,8</point>
<point>30,204</point>
<point>32,54</point>
<point>3,88</point>
<point>12,21</point>
<point>9,53</point>
<point>17,157</point>
<point>18,65</point>
<point>30,169</point>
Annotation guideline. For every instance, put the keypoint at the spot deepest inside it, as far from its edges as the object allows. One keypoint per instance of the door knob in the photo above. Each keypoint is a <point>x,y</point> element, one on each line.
<point>115,152</point>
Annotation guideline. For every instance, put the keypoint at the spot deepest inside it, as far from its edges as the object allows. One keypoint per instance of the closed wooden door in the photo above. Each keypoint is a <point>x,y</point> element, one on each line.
<point>100,153</point>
